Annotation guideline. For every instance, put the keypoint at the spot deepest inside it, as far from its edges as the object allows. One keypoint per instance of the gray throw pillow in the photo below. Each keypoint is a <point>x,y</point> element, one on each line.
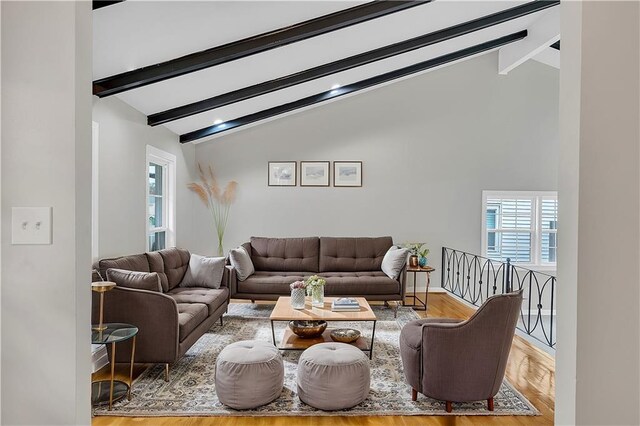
<point>242,263</point>
<point>204,272</point>
<point>393,261</point>
<point>133,279</point>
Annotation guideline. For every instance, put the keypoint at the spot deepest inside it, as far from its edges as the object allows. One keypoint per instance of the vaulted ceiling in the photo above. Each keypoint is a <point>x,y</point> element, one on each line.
<point>204,69</point>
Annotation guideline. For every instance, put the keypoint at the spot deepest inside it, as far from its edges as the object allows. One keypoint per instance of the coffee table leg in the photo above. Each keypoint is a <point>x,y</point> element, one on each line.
<point>113,372</point>
<point>273,334</point>
<point>373,335</point>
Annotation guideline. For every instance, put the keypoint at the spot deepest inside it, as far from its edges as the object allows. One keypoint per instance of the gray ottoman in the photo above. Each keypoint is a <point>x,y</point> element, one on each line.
<point>333,376</point>
<point>249,374</point>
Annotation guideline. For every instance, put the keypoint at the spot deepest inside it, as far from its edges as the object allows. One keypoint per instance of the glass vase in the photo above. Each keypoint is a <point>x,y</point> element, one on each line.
<point>297,298</point>
<point>317,296</point>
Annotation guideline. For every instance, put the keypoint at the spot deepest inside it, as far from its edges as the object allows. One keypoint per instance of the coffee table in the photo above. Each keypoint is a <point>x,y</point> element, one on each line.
<point>290,342</point>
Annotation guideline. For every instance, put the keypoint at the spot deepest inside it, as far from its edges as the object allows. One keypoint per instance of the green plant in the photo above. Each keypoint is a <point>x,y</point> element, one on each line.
<point>417,249</point>
<point>216,201</point>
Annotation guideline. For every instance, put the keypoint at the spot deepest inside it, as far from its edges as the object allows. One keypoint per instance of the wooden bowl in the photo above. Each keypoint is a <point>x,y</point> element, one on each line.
<point>345,335</point>
<point>308,329</point>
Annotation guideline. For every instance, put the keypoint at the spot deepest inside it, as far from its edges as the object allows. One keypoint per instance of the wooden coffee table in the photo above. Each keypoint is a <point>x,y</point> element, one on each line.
<point>290,342</point>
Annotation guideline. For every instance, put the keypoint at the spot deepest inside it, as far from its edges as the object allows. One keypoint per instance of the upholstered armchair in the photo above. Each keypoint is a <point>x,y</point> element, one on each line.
<point>461,361</point>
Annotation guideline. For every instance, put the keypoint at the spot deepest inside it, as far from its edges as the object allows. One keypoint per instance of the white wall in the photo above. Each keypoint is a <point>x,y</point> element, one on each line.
<point>46,160</point>
<point>429,144</point>
<point>124,135</point>
<point>598,366</point>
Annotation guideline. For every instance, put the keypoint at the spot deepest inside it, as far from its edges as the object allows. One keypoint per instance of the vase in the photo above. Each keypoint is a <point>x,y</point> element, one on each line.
<point>317,296</point>
<point>422,262</point>
<point>413,261</point>
<point>297,298</point>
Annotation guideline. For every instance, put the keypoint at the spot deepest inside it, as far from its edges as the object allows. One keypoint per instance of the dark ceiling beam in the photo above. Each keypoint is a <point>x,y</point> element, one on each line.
<point>249,46</point>
<point>98,4</point>
<point>556,45</point>
<point>351,88</point>
<point>348,63</point>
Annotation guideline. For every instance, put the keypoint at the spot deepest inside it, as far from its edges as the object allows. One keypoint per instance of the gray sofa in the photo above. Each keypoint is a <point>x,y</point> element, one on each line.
<point>170,321</point>
<point>351,267</point>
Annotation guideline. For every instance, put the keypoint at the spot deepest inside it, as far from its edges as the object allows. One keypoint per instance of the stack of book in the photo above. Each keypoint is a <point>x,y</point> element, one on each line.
<point>345,304</point>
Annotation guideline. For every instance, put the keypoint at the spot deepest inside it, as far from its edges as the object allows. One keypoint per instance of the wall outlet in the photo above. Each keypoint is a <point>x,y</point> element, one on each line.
<point>31,225</point>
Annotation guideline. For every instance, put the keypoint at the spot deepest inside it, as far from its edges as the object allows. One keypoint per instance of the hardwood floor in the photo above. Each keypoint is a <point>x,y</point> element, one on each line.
<point>530,370</point>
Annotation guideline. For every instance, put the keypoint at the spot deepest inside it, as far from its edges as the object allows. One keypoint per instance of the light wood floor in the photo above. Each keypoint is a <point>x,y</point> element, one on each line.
<point>530,370</point>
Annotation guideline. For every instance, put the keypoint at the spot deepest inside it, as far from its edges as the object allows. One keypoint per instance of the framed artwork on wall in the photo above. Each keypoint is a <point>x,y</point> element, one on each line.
<point>282,173</point>
<point>314,173</point>
<point>347,173</point>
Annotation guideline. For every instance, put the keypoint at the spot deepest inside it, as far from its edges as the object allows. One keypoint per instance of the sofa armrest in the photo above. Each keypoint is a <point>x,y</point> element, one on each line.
<point>402,279</point>
<point>154,313</point>
<point>232,280</point>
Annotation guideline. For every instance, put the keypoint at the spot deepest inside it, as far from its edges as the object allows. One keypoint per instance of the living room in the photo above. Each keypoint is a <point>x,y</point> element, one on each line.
<point>428,147</point>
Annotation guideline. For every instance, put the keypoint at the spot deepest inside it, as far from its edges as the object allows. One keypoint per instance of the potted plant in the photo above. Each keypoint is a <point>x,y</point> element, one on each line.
<point>416,251</point>
<point>298,293</point>
<point>315,288</point>
<point>422,256</point>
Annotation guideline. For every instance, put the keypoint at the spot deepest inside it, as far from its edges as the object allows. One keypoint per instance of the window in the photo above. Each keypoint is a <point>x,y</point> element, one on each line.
<point>160,199</point>
<point>520,226</point>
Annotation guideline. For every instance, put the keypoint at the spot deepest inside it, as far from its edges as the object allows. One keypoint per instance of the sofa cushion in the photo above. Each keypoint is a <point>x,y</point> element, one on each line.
<point>285,254</point>
<point>263,282</point>
<point>135,262</point>
<point>190,315</point>
<point>359,283</point>
<point>176,262</point>
<point>204,272</point>
<point>241,262</point>
<point>134,279</point>
<point>353,254</point>
<point>393,261</point>
<point>212,298</point>
<point>156,264</point>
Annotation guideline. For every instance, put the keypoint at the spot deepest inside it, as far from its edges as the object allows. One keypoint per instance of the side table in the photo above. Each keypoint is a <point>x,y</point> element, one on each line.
<point>108,391</point>
<point>419,304</point>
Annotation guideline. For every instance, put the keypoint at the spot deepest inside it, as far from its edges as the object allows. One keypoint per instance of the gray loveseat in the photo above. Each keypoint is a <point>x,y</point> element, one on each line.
<point>351,267</point>
<point>169,321</point>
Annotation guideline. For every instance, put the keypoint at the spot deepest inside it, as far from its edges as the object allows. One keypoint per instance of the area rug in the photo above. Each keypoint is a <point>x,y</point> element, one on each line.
<point>191,390</point>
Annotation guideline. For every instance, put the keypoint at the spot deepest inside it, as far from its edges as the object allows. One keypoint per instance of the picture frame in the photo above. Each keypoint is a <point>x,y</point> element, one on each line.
<point>282,173</point>
<point>314,173</point>
<point>347,173</point>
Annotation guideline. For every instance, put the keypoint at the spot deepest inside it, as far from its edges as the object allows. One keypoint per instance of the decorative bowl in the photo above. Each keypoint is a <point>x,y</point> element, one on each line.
<point>308,329</point>
<point>345,335</point>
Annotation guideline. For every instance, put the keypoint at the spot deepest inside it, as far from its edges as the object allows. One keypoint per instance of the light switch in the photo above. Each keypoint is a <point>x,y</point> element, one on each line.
<point>31,225</point>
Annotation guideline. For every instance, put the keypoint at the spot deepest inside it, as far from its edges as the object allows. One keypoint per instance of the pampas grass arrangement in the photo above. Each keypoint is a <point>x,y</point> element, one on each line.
<point>218,202</point>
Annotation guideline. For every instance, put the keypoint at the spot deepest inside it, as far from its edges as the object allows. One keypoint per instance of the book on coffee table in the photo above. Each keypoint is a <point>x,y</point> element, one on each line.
<point>345,304</point>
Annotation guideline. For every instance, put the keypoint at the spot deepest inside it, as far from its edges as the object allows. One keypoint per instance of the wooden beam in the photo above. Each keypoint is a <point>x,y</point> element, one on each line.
<point>542,33</point>
<point>348,63</point>
<point>549,57</point>
<point>249,46</point>
<point>352,88</point>
<point>98,4</point>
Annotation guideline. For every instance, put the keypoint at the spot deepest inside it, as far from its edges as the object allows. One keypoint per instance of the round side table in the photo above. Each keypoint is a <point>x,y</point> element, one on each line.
<point>108,391</point>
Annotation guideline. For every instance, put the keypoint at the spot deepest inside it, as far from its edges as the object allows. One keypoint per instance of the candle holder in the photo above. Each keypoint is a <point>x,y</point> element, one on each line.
<point>101,287</point>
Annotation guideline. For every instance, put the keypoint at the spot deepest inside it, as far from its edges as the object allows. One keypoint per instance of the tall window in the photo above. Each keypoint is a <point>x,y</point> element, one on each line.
<point>520,226</point>
<point>161,188</point>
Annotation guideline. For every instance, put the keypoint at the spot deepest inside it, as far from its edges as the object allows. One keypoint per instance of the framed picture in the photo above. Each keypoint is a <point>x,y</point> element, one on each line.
<point>314,173</point>
<point>282,173</point>
<point>347,173</point>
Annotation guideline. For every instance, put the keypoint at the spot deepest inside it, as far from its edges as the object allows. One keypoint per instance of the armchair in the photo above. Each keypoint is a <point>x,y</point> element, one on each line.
<point>457,360</point>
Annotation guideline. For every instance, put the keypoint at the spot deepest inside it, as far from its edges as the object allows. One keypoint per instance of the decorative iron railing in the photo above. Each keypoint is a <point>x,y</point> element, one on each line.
<point>475,278</point>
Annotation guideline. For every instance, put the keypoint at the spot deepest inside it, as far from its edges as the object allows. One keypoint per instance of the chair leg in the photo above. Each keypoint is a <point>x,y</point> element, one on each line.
<point>166,372</point>
<point>414,394</point>
<point>490,404</point>
<point>449,407</point>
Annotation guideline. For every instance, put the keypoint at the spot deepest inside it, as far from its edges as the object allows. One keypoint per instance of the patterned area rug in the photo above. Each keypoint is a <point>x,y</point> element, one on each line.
<point>191,389</point>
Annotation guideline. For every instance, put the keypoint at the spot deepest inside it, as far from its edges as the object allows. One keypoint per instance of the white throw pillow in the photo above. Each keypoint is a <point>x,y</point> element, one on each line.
<point>393,261</point>
<point>242,263</point>
<point>204,272</point>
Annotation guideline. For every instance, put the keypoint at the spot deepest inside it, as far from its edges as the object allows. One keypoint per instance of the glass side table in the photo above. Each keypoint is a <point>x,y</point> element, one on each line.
<point>418,304</point>
<point>108,391</point>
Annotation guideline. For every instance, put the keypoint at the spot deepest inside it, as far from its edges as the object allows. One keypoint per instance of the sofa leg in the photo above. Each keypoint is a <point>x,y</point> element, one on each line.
<point>395,310</point>
<point>490,404</point>
<point>166,372</point>
<point>221,323</point>
<point>449,407</point>
<point>414,394</point>
<point>253,301</point>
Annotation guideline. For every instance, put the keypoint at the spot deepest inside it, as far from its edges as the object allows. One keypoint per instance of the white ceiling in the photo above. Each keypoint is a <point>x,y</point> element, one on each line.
<point>133,34</point>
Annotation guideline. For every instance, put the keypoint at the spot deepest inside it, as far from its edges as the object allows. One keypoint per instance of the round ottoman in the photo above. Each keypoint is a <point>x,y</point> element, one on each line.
<point>249,374</point>
<point>333,376</point>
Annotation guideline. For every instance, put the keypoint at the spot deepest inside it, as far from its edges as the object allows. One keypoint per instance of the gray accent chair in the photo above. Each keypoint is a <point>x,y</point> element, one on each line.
<point>459,361</point>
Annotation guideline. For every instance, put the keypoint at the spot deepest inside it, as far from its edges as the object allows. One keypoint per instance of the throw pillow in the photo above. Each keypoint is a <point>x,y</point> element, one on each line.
<point>393,261</point>
<point>204,272</point>
<point>133,279</point>
<point>242,263</point>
